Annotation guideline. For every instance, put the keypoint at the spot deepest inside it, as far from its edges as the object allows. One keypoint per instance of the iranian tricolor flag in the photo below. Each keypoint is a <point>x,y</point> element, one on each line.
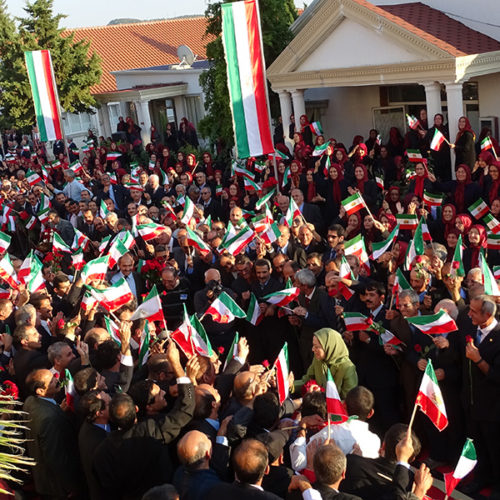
<point>150,308</point>
<point>30,273</point>
<point>486,143</point>
<point>44,91</point>
<point>356,321</point>
<point>236,244</point>
<point>283,297</point>
<point>254,314</point>
<point>479,209</point>
<point>493,241</point>
<point>407,221</point>
<point>200,337</point>
<point>379,179</point>
<point>489,282</point>
<point>292,213</point>
<point>191,337</point>
<point>7,272</point>
<point>188,211</point>
<point>345,272</point>
<point>69,390</point>
<point>320,150</point>
<point>77,259</point>
<point>88,302</point>
<point>80,241</point>
<point>416,247</point>
<point>33,178</point>
<point>388,338</point>
<point>492,223</point>
<point>104,243</point>
<point>115,296</point>
<point>4,242</point>
<point>246,73</point>
<point>434,324</point>
<point>76,166</point>
<point>260,223</point>
<point>241,171</point>
<point>150,231</point>
<point>334,405</point>
<point>432,199</point>
<point>103,210</point>
<point>113,330</point>
<point>496,272</point>
<point>316,128</point>
<point>457,264</point>
<point>233,350</point>
<point>281,365</point>
<point>430,399</point>
<point>465,465</point>
<point>95,270</point>
<point>412,121</point>
<point>414,155</point>
<point>251,185</point>
<point>271,234</point>
<point>400,283</point>
<point>426,234</point>
<point>353,204</point>
<point>59,244</point>
<point>117,250</point>
<point>114,155</point>
<point>356,246</point>
<point>379,248</point>
<point>224,309</point>
<point>437,140</point>
<point>195,241</point>
<point>144,345</point>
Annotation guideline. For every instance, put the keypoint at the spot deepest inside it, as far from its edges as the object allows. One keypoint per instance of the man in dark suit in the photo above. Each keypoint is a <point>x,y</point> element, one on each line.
<point>85,224</point>
<point>310,212</point>
<point>285,246</point>
<point>94,407</point>
<point>134,279</point>
<point>117,193</point>
<point>51,439</point>
<point>334,237</point>
<point>210,206</point>
<point>154,192</point>
<point>482,393</point>
<point>250,463</point>
<point>116,465</point>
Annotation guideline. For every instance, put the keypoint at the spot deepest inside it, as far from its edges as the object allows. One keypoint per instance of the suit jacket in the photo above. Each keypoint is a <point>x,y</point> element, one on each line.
<point>214,209</point>
<point>52,443</point>
<point>129,462</point>
<point>328,493</point>
<point>24,362</point>
<point>312,214</point>
<point>294,252</point>
<point>239,491</point>
<point>89,438</point>
<point>66,231</point>
<point>121,195</point>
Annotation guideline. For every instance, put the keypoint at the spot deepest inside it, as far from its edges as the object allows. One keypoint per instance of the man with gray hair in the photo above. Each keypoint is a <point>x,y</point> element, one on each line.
<point>316,310</point>
<point>73,188</point>
<point>482,393</point>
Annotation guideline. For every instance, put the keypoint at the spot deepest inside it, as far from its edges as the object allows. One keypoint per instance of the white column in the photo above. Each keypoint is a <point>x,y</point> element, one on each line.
<point>299,107</point>
<point>454,98</point>
<point>144,119</point>
<point>433,99</point>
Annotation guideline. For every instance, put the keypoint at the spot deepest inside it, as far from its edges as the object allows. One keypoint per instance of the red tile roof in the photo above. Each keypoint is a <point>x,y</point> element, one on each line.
<point>436,27</point>
<point>140,45</point>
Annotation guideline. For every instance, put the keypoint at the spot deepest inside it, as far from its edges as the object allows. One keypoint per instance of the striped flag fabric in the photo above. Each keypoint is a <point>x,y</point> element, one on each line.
<point>414,155</point>
<point>242,40</point>
<point>412,121</point>
<point>240,171</point>
<point>150,308</point>
<point>379,179</point>
<point>353,203</point>
<point>33,178</point>
<point>465,465</point>
<point>434,324</point>
<point>191,337</point>
<point>283,297</point>
<point>430,399</point>
<point>379,248</point>
<point>188,211</point>
<point>496,273</point>
<point>69,390</point>
<point>437,140</point>
<point>486,143</point>
<point>287,175</point>
<point>77,259</point>
<point>200,337</point>
<point>316,128</point>
<point>493,241</point>
<point>59,244</point>
<point>281,365</point>
<point>334,405</point>
<point>150,231</point>
<point>388,338</point>
<point>224,309</point>
<point>271,234</point>
<point>236,244</point>
<point>292,213</point>
<point>45,97</point>
<point>103,210</point>
<point>457,264</point>
<point>4,242</point>
<point>254,314</point>
<point>7,272</point>
<point>407,221</point>
<point>233,350</point>
<point>113,330</point>
<point>356,246</point>
<point>489,282</point>
<point>114,155</point>
<point>345,272</point>
<point>356,321</point>
<point>320,150</point>
<point>195,241</point>
<point>426,234</point>
<point>416,247</point>
<point>144,345</point>
<point>95,270</point>
<point>114,296</point>
<point>479,209</point>
<point>251,185</point>
<point>492,223</point>
<point>432,199</point>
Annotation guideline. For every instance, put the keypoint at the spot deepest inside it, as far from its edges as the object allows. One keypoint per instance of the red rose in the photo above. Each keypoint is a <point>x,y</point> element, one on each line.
<point>456,264</point>
<point>468,339</point>
<point>221,350</point>
<point>265,364</point>
<point>417,347</point>
<point>60,324</point>
<point>8,388</point>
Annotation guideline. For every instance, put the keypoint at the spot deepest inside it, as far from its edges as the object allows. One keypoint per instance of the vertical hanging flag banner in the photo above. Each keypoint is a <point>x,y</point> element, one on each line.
<point>246,78</point>
<point>45,98</point>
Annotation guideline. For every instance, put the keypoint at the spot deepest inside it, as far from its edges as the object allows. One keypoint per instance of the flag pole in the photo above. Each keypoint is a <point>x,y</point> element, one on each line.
<point>410,425</point>
<point>329,430</point>
<point>112,314</point>
<point>265,87</point>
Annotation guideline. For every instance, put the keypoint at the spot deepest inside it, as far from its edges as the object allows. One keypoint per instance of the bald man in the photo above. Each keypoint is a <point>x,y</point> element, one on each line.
<point>51,439</point>
<point>134,280</point>
<point>195,478</point>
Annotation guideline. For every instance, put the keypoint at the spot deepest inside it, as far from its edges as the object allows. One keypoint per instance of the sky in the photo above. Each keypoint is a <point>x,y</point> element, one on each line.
<point>100,12</point>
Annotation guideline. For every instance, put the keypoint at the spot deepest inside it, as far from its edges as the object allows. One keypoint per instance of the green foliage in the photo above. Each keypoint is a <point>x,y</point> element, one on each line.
<point>75,69</point>
<point>276,18</point>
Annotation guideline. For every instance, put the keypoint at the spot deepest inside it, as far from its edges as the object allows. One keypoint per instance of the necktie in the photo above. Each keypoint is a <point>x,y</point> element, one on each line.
<point>308,301</point>
<point>477,340</point>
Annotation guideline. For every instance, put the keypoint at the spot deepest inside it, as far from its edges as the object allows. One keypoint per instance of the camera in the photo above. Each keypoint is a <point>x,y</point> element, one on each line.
<point>214,289</point>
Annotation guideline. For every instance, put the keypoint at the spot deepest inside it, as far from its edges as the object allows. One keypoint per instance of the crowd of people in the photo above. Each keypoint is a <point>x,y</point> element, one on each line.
<point>119,406</point>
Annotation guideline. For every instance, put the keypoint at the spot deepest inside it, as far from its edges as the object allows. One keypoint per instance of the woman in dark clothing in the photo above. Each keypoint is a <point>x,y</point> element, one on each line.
<point>367,188</point>
<point>423,181</point>
<point>477,240</point>
<point>463,191</point>
<point>395,145</point>
<point>440,229</point>
<point>171,137</point>
<point>441,158</point>
<point>187,133</point>
<point>464,144</point>
<point>486,132</point>
<point>306,131</point>
<point>385,166</point>
<point>334,190</point>
<point>491,183</point>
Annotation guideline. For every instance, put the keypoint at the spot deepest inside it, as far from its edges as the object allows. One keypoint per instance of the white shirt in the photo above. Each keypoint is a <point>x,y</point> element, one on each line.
<point>485,331</point>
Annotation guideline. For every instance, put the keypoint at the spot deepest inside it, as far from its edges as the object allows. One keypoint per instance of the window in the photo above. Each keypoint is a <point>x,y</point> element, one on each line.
<point>77,123</point>
<point>193,109</point>
<point>114,110</point>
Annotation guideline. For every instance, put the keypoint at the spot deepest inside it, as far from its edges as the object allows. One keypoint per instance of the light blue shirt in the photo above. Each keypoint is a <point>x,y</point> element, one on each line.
<point>74,190</point>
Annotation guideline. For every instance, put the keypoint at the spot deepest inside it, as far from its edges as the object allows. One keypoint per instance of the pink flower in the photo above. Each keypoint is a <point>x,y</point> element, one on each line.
<point>220,349</point>
<point>265,364</point>
<point>469,339</point>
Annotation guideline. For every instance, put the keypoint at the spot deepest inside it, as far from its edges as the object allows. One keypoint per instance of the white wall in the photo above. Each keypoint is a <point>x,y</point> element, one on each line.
<point>349,111</point>
<point>489,103</point>
<point>139,78</point>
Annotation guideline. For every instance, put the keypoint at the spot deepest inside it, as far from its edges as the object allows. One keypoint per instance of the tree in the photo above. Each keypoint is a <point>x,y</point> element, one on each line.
<point>76,70</point>
<point>276,18</point>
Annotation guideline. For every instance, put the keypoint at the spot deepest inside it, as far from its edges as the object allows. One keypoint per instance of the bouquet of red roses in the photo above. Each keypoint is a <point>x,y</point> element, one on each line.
<point>151,271</point>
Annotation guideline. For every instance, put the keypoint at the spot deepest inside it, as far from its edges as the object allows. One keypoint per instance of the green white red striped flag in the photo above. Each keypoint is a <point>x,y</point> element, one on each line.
<point>416,247</point>
<point>103,210</point>
<point>113,155</point>
<point>33,178</point>
<point>45,97</point>
<point>281,365</point>
<point>254,314</point>
<point>353,203</point>
<point>30,273</point>
<point>414,155</point>
<point>412,121</point>
<point>69,390</point>
<point>465,465</point>
<point>241,171</point>
<point>7,272</point>
<point>224,309</point>
<point>144,345</point>
<point>334,405</point>
<point>238,242</point>
<point>241,37</point>
<point>150,231</point>
<point>283,297</point>
<point>457,264</point>
<point>233,350</point>
<point>251,185</point>
<point>320,150</point>
<point>316,128</point>
<point>489,282</point>
<point>493,241</point>
<point>150,308</point>
<point>77,259</point>
<point>356,246</point>
<point>59,244</point>
<point>191,337</point>
<point>188,211</point>
<point>430,399</point>
<point>379,179</point>
<point>479,209</point>
<point>114,296</point>
<point>486,143</point>
<point>292,213</point>
<point>200,337</point>
<point>356,321</point>
<point>95,270</point>
<point>492,223</point>
<point>407,221</point>
<point>271,234</point>
<point>4,242</point>
<point>432,199</point>
<point>434,324</point>
<point>195,241</point>
<point>379,248</point>
<point>437,140</point>
<point>113,330</point>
